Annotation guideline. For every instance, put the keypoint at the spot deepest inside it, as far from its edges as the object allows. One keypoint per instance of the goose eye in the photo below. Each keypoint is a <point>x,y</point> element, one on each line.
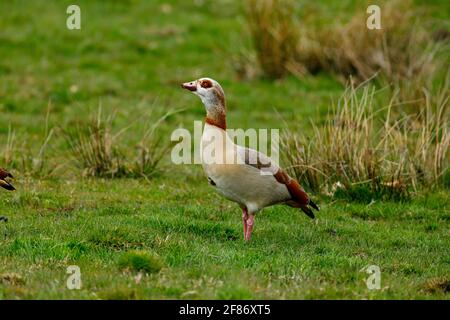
<point>206,84</point>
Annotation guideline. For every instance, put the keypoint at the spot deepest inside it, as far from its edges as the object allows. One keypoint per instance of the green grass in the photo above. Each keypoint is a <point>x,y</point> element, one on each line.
<point>130,57</point>
<point>140,261</point>
<point>102,226</point>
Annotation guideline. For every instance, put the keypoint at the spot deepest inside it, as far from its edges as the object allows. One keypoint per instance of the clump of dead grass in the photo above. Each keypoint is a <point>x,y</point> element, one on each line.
<point>438,285</point>
<point>102,152</point>
<point>404,52</point>
<point>362,145</point>
<point>401,49</point>
<point>95,148</point>
<point>19,155</point>
<point>274,33</point>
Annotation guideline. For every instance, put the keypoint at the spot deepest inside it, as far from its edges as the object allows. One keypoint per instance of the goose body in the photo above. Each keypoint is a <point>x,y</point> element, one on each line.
<point>240,182</point>
<point>240,174</point>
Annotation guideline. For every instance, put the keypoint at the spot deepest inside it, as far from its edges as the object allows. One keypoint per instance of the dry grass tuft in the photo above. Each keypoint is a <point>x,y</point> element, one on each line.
<point>11,278</point>
<point>275,35</point>
<point>402,49</point>
<point>150,150</point>
<point>29,161</point>
<point>95,148</point>
<point>363,146</point>
<point>404,53</point>
<point>100,152</point>
<point>438,285</point>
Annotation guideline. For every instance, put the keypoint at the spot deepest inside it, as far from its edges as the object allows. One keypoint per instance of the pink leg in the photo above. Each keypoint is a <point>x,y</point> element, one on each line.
<point>244,220</point>
<point>250,222</point>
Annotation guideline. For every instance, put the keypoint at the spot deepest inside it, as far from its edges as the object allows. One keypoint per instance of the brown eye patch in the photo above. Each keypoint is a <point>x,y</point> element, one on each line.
<point>206,84</point>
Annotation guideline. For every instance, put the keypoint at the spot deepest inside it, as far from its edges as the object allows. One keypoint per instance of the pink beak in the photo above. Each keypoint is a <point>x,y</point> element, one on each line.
<point>191,86</point>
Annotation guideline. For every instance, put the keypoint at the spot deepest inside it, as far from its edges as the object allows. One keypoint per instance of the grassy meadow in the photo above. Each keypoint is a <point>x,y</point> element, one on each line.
<point>140,227</point>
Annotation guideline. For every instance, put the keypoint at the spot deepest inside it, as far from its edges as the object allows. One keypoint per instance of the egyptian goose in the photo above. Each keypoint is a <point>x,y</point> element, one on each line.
<point>4,176</point>
<point>250,178</point>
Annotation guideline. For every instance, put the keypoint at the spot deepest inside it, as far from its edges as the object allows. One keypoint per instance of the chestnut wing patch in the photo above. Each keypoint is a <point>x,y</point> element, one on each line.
<point>5,174</point>
<point>300,198</point>
<point>3,182</point>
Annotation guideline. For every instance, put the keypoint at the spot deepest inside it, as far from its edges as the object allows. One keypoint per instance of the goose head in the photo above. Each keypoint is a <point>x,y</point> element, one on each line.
<point>212,96</point>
